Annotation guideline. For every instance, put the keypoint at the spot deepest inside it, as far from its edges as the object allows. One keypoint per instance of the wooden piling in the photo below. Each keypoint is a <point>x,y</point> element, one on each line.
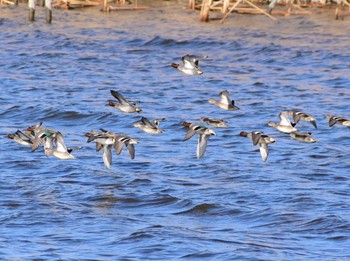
<point>31,5</point>
<point>204,14</point>
<point>105,6</point>
<point>289,7</point>
<point>191,4</point>
<point>48,7</point>
<point>7,2</point>
<point>225,5</point>
<point>340,5</point>
<point>336,12</point>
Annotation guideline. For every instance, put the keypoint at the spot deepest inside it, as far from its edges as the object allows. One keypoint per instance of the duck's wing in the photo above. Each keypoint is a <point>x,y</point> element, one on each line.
<point>202,145</point>
<point>190,133</point>
<point>119,143</point>
<point>36,143</point>
<point>38,140</point>
<point>284,120</point>
<point>256,136</point>
<point>131,149</point>
<point>195,60</point>
<point>189,62</point>
<point>296,116</point>
<point>98,146</point>
<point>148,123</point>
<point>119,97</point>
<point>333,120</point>
<point>314,124</point>
<point>225,97</point>
<point>103,130</point>
<point>24,137</point>
<point>118,146</point>
<point>264,151</point>
<point>60,146</point>
<point>107,155</point>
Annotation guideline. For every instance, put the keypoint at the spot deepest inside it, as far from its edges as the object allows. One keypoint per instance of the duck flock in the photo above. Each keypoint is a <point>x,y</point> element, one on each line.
<point>53,140</point>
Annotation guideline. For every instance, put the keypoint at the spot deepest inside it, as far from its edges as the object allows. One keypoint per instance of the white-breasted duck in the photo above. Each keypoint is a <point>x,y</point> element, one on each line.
<point>225,101</point>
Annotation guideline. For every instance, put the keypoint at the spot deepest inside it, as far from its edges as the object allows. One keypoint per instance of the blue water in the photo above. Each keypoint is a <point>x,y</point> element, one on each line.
<point>166,204</point>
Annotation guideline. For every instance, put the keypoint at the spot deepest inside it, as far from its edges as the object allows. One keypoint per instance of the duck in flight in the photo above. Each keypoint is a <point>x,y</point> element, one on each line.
<point>298,115</point>
<point>219,123</point>
<point>204,135</point>
<point>259,138</point>
<point>149,126</point>
<point>123,105</point>
<point>225,102</point>
<point>302,136</point>
<point>285,125</point>
<point>337,120</point>
<point>61,152</point>
<point>190,65</point>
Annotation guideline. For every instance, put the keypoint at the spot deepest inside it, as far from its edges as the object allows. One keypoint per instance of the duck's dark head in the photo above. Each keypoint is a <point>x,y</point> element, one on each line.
<point>185,124</point>
<point>174,65</point>
<point>110,103</point>
<point>243,134</point>
<point>10,136</point>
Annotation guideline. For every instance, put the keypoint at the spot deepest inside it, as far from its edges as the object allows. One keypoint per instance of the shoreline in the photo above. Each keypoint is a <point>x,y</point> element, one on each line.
<point>281,10</point>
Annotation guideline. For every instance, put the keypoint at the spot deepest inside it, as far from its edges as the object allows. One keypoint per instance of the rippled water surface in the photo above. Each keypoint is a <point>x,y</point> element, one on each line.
<point>166,204</point>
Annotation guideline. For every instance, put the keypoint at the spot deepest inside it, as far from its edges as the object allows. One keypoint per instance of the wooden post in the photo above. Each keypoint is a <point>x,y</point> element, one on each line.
<point>337,12</point>
<point>105,6</point>
<point>2,2</point>
<point>340,3</point>
<point>31,5</point>
<point>225,6</point>
<point>204,14</point>
<point>48,8</point>
<point>191,4</point>
<point>289,8</point>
